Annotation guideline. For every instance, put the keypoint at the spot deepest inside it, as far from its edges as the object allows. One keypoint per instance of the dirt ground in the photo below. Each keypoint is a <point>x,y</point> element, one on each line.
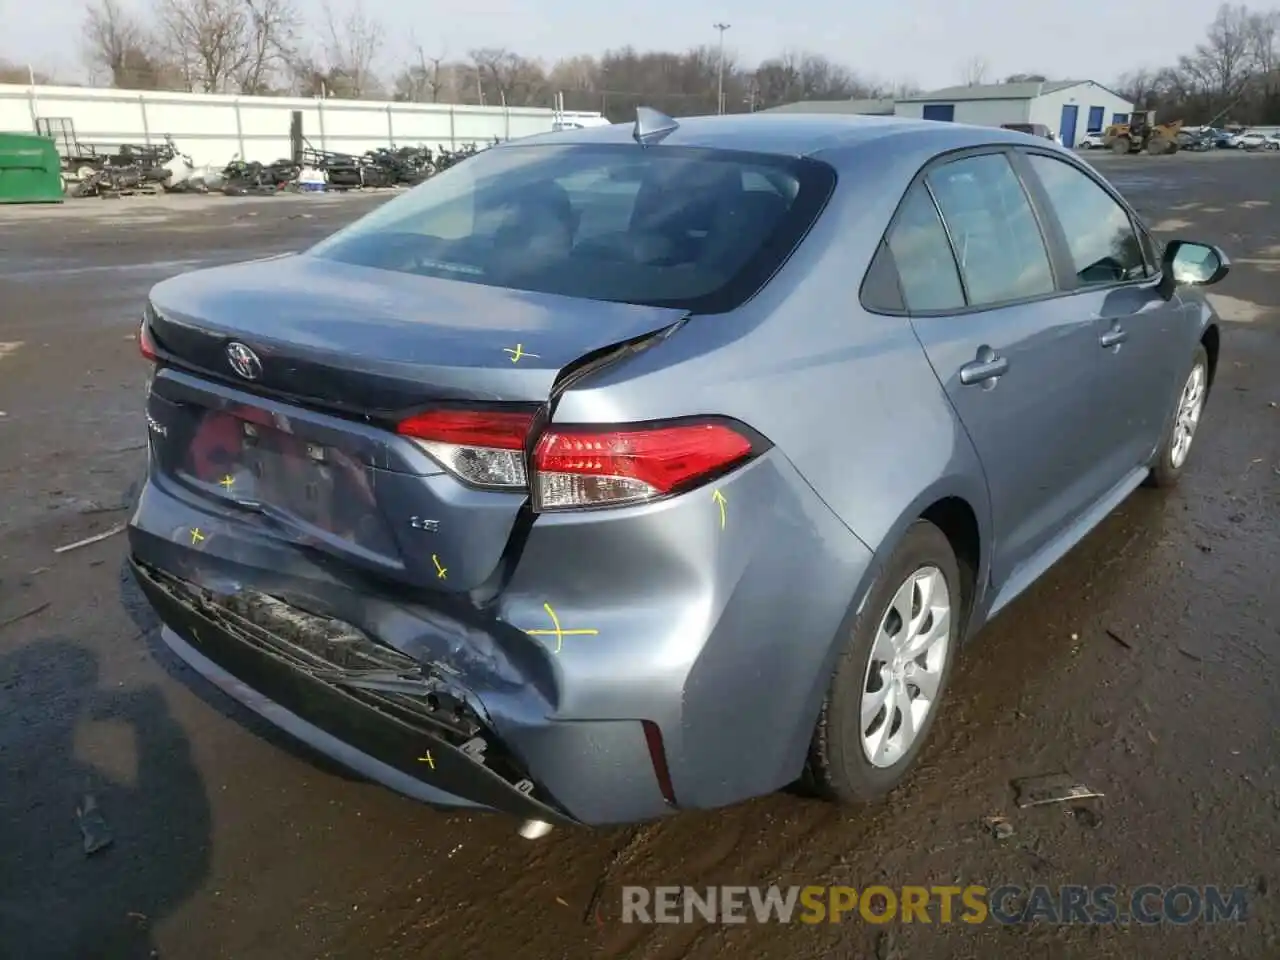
<point>1145,664</point>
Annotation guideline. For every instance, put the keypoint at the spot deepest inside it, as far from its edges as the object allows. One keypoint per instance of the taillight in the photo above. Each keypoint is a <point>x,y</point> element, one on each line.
<point>578,466</point>
<point>484,448</point>
<point>146,343</point>
<point>593,466</point>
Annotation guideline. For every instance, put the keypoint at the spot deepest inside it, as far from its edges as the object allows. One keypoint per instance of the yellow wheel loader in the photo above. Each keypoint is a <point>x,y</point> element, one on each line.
<point>1142,133</point>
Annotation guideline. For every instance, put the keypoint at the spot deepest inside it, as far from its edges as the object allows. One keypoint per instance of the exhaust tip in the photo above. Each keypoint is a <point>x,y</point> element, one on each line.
<point>534,829</point>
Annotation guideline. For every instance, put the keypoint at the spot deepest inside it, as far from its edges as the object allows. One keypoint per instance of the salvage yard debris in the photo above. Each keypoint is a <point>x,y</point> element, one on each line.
<point>150,169</point>
<point>998,826</point>
<point>1051,788</point>
<point>93,826</point>
<point>118,528</point>
<point>22,616</point>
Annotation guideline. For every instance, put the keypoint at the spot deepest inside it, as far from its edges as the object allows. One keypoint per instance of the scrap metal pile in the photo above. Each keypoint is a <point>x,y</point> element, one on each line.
<point>133,168</point>
<point>326,170</point>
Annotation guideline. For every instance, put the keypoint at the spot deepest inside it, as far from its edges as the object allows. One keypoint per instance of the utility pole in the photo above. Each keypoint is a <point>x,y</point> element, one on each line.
<point>722,27</point>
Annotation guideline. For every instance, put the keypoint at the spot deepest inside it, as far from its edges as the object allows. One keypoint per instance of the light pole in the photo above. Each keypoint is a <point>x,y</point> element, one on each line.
<point>722,27</point>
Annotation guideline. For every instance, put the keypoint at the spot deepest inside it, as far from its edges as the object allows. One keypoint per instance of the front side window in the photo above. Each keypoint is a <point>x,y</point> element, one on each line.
<point>670,226</point>
<point>1104,247</point>
<point>922,254</point>
<point>993,229</point>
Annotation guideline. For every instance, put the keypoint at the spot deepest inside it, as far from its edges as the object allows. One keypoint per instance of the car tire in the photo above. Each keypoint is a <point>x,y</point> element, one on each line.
<point>840,766</point>
<point>1175,445</point>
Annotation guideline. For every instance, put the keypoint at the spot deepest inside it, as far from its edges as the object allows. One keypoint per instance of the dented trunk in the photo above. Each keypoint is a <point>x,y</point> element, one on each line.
<point>280,384</point>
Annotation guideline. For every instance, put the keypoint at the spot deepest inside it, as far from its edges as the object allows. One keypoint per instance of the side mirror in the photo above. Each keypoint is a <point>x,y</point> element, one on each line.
<point>1192,264</point>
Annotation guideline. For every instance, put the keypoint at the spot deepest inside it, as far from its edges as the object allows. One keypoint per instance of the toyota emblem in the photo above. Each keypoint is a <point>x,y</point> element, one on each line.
<point>244,361</point>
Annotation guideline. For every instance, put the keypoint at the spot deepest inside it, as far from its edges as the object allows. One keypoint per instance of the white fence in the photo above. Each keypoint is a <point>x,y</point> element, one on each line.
<point>212,128</point>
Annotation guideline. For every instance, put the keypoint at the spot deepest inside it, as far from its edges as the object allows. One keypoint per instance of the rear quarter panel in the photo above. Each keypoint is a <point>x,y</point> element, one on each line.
<point>847,396</point>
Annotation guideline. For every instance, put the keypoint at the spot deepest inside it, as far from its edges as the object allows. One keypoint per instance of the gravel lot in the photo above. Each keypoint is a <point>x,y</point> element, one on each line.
<point>1146,664</point>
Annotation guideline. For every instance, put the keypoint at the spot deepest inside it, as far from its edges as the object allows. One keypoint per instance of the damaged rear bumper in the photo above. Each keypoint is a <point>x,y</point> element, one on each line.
<point>361,703</point>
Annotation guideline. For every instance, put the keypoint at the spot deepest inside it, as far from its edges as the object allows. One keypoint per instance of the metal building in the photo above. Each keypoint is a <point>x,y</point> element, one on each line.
<point>1070,108</point>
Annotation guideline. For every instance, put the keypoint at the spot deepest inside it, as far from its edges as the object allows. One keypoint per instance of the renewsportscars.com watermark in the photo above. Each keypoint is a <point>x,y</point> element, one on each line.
<point>1180,904</point>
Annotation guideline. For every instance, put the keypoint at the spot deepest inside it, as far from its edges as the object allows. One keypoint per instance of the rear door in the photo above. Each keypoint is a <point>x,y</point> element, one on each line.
<point>1018,364</point>
<point>1139,334</point>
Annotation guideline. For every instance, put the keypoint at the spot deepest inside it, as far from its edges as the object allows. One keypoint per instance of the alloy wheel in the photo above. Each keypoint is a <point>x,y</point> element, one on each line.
<point>905,668</point>
<point>1190,406</point>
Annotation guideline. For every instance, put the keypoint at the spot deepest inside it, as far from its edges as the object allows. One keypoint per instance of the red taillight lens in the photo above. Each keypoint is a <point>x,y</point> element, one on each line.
<point>658,757</point>
<point>484,448</point>
<point>586,467</point>
<point>146,344</point>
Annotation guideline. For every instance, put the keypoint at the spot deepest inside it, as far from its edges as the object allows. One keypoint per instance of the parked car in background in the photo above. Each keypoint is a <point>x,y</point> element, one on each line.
<point>1272,142</point>
<point>1225,140</point>
<point>1195,140</point>
<point>1032,129</point>
<point>611,472</point>
<point>1251,140</point>
<point>1095,140</point>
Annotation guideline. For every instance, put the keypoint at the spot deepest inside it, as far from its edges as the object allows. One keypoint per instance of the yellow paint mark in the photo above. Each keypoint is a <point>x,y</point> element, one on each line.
<point>440,571</point>
<point>559,632</point>
<point>428,760</point>
<point>718,497</point>
<point>227,482</point>
<point>519,353</point>
<point>196,536</point>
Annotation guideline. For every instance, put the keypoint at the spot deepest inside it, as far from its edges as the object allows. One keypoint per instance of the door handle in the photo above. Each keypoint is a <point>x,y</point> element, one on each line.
<point>1113,337</point>
<point>981,371</point>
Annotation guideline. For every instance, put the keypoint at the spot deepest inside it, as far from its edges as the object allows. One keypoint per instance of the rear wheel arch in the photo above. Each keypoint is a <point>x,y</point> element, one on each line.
<point>959,524</point>
<point>961,515</point>
<point>1212,340</point>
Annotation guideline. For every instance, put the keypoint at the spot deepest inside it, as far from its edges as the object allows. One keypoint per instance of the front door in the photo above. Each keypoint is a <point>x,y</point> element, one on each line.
<point>1018,365</point>
<point>1068,125</point>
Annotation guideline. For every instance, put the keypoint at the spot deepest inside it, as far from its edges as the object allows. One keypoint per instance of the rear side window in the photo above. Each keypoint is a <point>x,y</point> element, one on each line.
<point>926,268</point>
<point>993,229</point>
<point>698,229</point>
<point>1104,246</point>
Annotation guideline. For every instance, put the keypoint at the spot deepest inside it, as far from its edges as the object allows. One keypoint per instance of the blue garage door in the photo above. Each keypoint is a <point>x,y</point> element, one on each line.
<point>940,111</point>
<point>1068,126</point>
<point>1095,119</point>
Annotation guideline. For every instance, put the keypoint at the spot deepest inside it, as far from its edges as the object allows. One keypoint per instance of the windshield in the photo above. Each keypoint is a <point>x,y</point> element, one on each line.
<point>669,226</point>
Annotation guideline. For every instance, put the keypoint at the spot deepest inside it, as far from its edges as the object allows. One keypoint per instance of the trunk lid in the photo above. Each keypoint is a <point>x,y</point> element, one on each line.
<point>306,450</point>
<point>372,341</point>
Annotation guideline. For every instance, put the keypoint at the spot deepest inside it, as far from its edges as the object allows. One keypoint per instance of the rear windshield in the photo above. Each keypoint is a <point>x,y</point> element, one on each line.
<point>698,229</point>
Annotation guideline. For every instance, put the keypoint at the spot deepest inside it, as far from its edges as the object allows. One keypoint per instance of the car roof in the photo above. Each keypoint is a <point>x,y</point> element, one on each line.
<point>796,134</point>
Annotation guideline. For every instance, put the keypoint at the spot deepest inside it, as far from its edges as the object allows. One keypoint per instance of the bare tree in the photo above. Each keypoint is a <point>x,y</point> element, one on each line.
<point>796,76</point>
<point>207,40</point>
<point>973,72</point>
<point>1138,86</point>
<point>116,44</point>
<point>13,73</point>
<point>508,79</point>
<point>1222,66</point>
<point>424,79</point>
<point>272,30</point>
<point>352,47</point>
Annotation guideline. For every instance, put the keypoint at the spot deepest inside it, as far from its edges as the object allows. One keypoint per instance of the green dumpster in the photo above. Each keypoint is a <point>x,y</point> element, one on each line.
<point>30,169</point>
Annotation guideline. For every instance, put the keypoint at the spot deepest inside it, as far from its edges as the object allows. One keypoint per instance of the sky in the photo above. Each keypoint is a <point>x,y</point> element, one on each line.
<point>913,40</point>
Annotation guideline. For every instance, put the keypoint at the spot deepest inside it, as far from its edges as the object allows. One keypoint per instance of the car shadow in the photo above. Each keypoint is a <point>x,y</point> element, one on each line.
<point>56,901</point>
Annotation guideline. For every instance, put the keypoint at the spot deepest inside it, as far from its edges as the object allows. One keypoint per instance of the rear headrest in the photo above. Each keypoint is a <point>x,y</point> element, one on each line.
<point>687,195</point>
<point>742,225</point>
